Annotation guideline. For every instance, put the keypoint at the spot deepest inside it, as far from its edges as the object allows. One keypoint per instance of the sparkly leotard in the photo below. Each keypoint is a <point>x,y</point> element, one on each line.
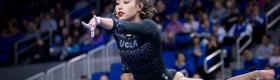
<point>141,52</point>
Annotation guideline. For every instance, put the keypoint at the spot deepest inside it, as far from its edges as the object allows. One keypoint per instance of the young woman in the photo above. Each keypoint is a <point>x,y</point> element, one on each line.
<point>138,40</point>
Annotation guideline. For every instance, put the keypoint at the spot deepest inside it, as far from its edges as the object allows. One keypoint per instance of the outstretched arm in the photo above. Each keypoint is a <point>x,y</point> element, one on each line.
<point>255,75</point>
<point>139,28</point>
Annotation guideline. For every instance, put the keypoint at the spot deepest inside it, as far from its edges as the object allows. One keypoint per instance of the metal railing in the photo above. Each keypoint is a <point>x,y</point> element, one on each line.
<point>222,53</point>
<point>57,73</point>
<point>112,54</point>
<point>270,24</point>
<point>77,67</point>
<point>240,49</point>
<point>96,60</point>
<point>39,76</point>
<point>18,52</point>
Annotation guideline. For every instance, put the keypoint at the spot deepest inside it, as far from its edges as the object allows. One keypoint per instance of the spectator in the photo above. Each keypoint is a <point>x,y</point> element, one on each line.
<point>203,16</point>
<point>274,61</point>
<point>81,4</point>
<point>40,52</point>
<point>249,9</point>
<point>37,20</point>
<point>76,36</point>
<point>58,10</point>
<point>107,13</point>
<point>84,77</point>
<point>98,37</point>
<point>257,20</point>
<point>52,13</point>
<point>64,33</point>
<point>70,49</point>
<point>77,26</point>
<point>104,4</point>
<point>33,29</point>
<point>219,32</point>
<point>241,28</point>
<point>86,40</point>
<point>67,20</point>
<point>191,25</point>
<point>198,51</point>
<point>175,26</point>
<point>183,3</point>
<point>23,27</point>
<point>205,29</point>
<point>218,13</point>
<point>158,20</point>
<point>230,4</point>
<point>56,49</point>
<point>213,45</point>
<point>48,24</point>
<point>265,50</point>
<point>250,62</point>
<point>160,6</point>
<point>184,66</point>
<point>104,77</point>
<point>92,13</point>
<point>198,8</point>
<point>10,30</point>
<point>231,19</point>
<point>168,39</point>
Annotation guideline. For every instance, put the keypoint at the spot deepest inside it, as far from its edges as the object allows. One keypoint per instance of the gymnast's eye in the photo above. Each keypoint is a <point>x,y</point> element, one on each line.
<point>117,3</point>
<point>126,2</point>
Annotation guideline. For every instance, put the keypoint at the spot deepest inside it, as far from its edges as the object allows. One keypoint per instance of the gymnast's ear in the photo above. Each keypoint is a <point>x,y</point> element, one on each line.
<point>141,6</point>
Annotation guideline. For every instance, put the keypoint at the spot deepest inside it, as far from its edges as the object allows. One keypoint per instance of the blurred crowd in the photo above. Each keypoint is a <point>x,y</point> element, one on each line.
<point>201,26</point>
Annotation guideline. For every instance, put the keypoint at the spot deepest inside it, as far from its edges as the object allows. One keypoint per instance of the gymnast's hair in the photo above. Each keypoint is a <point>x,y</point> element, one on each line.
<point>147,12</point>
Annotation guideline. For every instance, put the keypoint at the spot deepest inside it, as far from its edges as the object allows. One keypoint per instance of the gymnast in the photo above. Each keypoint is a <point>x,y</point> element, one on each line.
<point>139,43</point>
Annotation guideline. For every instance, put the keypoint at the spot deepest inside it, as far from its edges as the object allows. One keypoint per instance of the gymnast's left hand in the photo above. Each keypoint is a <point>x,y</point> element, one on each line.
<point>266,74</point>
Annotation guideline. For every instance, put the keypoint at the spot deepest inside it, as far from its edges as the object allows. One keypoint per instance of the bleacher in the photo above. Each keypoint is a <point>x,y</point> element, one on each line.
<point>103,59</point>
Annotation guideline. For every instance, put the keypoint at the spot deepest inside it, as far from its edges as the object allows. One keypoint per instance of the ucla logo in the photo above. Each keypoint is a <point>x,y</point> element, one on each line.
<point>128,44</point>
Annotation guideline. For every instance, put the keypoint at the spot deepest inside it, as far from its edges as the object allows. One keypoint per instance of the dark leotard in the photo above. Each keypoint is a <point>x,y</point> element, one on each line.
<point>141,52</point>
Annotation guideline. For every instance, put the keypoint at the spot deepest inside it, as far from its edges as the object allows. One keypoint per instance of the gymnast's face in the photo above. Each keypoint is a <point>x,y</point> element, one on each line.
<point>127,9</point>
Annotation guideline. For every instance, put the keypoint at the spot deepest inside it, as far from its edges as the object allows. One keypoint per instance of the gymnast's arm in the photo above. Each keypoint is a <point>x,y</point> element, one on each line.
<point>261,74</point>
<point>144,27</point>
<point>247,76</point>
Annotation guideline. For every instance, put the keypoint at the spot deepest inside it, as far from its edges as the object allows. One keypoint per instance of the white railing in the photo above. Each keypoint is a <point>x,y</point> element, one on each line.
<point>112,55</point>
<point>57,73</point>
<point>270,24</point>
<point>216,66</point>
<point>96,60</point>
<point>240,49</point>
<point>77,67</point>
<point>39,76</point>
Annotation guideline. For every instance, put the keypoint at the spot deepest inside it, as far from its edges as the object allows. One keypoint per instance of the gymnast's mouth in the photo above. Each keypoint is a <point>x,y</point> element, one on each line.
<point>120,14</point>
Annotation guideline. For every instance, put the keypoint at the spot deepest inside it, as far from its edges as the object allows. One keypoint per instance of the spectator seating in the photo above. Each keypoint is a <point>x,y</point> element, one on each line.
<point>116,71</point>
<point>240,71</point>
<point>277,71</point>
<point>183,40</point>
<point>263,63</point>
<point>97,75</point>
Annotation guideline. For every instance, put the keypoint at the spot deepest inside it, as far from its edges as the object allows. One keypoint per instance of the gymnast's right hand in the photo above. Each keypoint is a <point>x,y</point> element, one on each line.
<point>92,24</point>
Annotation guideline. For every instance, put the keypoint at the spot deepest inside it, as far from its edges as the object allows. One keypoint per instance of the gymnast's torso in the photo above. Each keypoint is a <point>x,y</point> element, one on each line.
<point>141,52</point>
